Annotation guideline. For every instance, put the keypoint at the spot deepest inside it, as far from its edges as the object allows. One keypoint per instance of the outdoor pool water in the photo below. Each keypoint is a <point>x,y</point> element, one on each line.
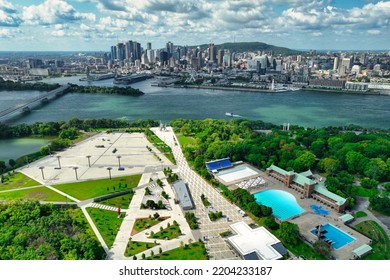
<point>283,204</point>
<point>319,210</point>
<point>337,237</point>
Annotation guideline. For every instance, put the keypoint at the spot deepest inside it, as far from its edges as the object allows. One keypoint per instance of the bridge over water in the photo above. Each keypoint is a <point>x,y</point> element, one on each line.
<point>43,98</point>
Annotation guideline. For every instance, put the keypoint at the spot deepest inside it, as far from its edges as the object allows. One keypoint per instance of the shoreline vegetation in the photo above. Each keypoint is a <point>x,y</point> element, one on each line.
<point>40,86</point>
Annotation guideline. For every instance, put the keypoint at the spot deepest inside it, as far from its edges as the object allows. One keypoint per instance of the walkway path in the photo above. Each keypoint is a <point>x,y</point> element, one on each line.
<point>215,245</point>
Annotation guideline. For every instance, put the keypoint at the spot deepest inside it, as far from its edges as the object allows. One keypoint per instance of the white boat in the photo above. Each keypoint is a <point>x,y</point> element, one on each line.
<point>232,115</point>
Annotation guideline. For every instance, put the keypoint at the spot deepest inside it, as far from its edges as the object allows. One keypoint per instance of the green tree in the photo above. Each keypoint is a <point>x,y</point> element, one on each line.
<point>368,183</point>
<point>2,166</point>
<point>12,163</point>
<point>271,223</point>
<point>355,162</point>
<point>304,162</point>
<point>289,233</point>
<point>329,165</point>
<point>323,248</point>
<point>376,168</point>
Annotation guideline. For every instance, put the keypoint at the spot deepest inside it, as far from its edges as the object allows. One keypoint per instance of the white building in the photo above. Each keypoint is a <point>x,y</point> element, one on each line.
<point>255,244</point>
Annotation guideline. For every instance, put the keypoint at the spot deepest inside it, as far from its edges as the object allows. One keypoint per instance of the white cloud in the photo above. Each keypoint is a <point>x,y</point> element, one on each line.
<point>373,31</point>
<point>7,6</point>
<point>52,12</point>
<point>58,33</point>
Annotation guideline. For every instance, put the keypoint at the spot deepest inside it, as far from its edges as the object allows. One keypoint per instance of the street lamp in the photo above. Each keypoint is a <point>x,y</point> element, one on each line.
<point>109,171</point>
<point>89,161</point>
<point>59,163</point>
<point>43,175</point>
<point>119,161</point>
<point>75,171</point>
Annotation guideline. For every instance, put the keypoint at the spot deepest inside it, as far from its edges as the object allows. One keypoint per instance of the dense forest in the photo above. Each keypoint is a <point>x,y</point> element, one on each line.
<point>10,85</point>
<point>30,231</point>
<point>106,90</point>
<point>351,161</point>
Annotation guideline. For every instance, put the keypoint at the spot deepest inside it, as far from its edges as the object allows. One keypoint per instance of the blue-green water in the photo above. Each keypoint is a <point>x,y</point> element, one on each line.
<point>308,109</point>
<point>283,204</point>
<point>15,148</point>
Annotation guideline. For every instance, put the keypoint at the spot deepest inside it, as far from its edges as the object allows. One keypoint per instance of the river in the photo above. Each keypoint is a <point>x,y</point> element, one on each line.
<point>308,109</point>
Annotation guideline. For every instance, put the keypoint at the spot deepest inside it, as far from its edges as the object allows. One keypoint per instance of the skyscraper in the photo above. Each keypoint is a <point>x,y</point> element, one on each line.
<point>130,51</point>
<point>169,48</point>
<point>149,46</point>
<point>113,53</point>
<point>121,51</point>
<point>220,56</point>
<point>212,53</point>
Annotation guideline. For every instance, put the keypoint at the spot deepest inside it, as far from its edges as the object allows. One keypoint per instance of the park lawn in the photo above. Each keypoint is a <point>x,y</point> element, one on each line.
<point>34,193</point>
<point>17,180</point>
<point>360,214</point>
<point>95,188</point>
<point>193,251</point>
<point>135,247</point>
<point>380,240</point>
<point>167,233</point>
<point>122,201</point>
<point>186,140</point>
<point>107,223</point>
<point>144,223</point>
<point>161,146</point>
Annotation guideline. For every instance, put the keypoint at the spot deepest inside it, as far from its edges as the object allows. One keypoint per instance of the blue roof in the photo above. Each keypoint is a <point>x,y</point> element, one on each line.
<point>219,164</point>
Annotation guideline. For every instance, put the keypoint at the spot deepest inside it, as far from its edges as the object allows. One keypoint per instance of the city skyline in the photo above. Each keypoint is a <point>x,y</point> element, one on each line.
<point>95,25</point>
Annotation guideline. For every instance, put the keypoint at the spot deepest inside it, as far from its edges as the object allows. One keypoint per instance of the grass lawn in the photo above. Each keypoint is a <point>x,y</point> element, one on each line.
<point>161,146</point>
<point>135,247</point>
<point>39,193</point>
<point>380,240</point>
<point>17,180</point>
<point>167,233</point>
<point>194,251</point>
<point>95,188</point>
<point>122,201</point>
<point>107,223</point>
<point>360,214</point>
<point>144,223</point>
<point>186,140</point>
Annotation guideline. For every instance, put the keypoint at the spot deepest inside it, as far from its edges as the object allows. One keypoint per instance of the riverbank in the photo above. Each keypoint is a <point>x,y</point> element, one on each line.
<point>223,88</point>
<point>369,92</point>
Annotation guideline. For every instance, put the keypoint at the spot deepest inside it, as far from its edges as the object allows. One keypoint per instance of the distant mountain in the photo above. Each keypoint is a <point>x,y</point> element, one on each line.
<point>253,46</point>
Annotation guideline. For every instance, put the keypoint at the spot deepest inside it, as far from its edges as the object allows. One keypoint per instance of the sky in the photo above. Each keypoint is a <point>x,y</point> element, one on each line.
<point>95,25</point>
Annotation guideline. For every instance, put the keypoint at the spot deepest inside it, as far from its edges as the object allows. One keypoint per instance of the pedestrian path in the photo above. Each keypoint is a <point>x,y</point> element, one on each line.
<point>104,207</point>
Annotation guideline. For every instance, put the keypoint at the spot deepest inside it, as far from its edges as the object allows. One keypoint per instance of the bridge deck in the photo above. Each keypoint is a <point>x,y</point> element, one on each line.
<point>21,106</point>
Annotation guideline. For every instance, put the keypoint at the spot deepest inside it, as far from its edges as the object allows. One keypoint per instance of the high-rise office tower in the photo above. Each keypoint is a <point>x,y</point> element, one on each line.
<point>137,51</point>
<point>169,48</point>
<point>220,56</point>
<point>113,53</point>
<point>130,51</point>
<point>121,51</point>
<point>212,53</point>
<point>336,63</point>
<point>149,46</point>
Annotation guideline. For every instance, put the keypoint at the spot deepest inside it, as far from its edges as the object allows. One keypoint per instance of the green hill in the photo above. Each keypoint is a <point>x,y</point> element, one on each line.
<point>253,46</point>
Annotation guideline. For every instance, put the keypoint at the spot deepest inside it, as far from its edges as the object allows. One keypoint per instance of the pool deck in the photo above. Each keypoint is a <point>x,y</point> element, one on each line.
<point>308,220</point>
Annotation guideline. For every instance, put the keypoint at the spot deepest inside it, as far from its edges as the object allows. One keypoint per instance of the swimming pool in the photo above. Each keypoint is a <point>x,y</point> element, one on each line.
<point>319,210</point>
<point>283,204</point>
<point>336,237</point>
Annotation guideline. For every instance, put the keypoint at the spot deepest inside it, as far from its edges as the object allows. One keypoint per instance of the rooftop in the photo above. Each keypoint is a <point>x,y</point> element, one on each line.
<point>259,241</point>
<point>362,250</point>
<point>183,195</point>
<point>321,189</point>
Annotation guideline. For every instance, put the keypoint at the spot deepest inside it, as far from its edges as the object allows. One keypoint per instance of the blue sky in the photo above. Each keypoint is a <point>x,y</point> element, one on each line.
<point>84,25</point>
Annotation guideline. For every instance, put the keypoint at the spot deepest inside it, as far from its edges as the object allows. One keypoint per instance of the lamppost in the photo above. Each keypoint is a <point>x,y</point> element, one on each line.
<point>59,163</point>
<point>43,175</point>
<point>75,171</point>
<point>89,161</point>
<point>119,161</point>
<point>109,171</point>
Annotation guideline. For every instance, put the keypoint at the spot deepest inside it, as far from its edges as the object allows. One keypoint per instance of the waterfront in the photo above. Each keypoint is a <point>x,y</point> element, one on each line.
<point>15,148</point>
<point>308,109</point>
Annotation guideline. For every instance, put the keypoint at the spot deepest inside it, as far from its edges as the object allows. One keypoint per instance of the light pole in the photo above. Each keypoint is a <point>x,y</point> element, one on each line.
<point>75,171</point>
<point>119,161</point>
<point>59,163</point>
<point>109,171</point>
<point>43,175</point>
<point>89,161</point>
